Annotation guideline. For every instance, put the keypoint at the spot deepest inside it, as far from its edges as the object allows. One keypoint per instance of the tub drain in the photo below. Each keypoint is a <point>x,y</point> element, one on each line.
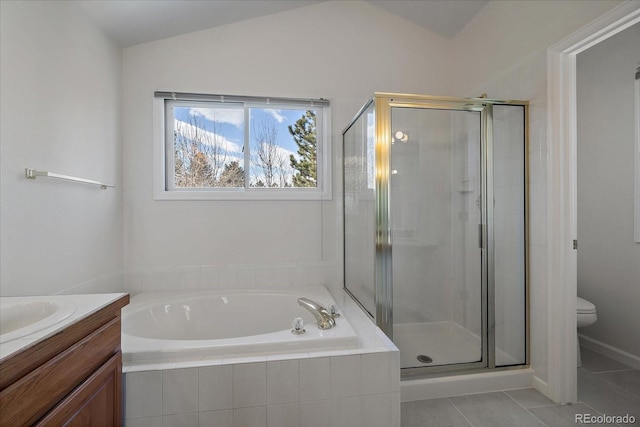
<point>424,359</point>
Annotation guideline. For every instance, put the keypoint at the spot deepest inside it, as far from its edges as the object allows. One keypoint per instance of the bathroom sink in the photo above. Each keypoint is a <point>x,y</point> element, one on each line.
<point>22,316</point>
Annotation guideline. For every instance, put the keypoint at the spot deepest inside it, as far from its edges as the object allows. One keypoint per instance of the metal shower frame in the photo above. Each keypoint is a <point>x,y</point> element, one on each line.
<point>383,288</point>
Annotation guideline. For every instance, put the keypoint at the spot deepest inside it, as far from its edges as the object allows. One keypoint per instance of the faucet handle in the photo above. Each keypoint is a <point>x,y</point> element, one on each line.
<point>297,326</point>
<point>333,311</point>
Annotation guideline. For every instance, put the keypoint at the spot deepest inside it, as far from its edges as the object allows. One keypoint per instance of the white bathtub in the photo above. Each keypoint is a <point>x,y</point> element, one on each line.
<point>174,327</point>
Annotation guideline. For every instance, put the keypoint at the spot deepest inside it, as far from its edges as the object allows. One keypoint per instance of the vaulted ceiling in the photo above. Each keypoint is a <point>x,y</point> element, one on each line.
<point>132,22</point>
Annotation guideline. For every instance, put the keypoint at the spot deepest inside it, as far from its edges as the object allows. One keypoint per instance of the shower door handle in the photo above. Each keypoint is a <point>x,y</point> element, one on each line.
<point>480,236</point>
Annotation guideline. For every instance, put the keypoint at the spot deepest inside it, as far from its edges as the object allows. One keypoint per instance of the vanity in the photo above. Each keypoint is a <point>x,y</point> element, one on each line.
<point>67,373</point>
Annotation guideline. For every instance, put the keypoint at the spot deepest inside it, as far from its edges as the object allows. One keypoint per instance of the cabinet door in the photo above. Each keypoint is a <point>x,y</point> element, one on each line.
<point>96,402</point>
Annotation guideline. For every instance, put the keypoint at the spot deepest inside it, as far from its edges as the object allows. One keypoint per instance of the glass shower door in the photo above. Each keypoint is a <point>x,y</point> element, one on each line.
<point>359,211</point>
<point>435,228</point>
<point>436,212</point>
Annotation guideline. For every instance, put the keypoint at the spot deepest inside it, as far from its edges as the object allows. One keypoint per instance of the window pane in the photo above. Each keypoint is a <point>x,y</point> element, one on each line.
<point>208,145</point>
<point>283,148</point>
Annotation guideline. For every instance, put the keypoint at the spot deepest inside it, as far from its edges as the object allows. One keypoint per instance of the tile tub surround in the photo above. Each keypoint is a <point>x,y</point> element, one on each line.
<point>335,388</point>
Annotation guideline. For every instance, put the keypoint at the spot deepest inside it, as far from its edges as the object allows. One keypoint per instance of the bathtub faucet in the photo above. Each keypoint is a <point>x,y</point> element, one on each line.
<point>323,317</point>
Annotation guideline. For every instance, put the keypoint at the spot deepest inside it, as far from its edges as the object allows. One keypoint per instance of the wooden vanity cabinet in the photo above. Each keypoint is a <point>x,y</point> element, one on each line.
<point>95,402</point>
<point>71,378</point>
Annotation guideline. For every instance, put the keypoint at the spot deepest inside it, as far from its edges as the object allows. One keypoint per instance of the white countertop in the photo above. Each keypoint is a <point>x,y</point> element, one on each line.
<point>85,305</point>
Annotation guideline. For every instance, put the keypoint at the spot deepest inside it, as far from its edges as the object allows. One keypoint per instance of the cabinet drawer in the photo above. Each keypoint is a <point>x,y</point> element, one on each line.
<point>28,399</point>
<point>96,402</point>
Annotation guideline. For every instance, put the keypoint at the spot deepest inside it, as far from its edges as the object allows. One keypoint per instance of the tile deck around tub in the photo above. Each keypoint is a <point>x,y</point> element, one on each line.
<point>335,388</point>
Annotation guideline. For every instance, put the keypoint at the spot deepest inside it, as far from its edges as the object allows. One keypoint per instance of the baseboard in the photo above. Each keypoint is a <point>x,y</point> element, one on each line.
<point>610,351</point>
<point>540,385</point>
<point>457,385</point>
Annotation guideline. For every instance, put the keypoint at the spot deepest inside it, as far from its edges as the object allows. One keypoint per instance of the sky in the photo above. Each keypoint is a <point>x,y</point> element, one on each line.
<point>228,125</point>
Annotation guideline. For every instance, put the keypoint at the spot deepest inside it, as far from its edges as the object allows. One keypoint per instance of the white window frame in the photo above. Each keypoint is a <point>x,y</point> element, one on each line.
<point>164,191</point>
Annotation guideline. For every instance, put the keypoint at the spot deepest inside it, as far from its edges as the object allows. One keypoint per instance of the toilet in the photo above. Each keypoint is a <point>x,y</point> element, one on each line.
<point>586,316</point>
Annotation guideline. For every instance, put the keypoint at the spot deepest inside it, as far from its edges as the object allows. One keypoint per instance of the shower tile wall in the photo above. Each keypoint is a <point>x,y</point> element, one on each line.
<point>508,157</point>
<point>466,215</point>
<point>435,212</point>
<point>421,217</point>
<point>508,160</point>
<point>526,79</point>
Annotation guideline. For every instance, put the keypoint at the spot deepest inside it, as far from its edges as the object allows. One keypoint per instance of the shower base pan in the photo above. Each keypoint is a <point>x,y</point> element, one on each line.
<point>439,343</point>
<point>445,343</point>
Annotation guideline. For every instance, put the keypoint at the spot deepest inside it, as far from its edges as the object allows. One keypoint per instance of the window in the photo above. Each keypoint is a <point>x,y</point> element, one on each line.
<point>219,147</point>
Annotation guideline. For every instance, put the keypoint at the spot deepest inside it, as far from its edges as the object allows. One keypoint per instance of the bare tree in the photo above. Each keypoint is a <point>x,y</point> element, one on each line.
<point>199,154</point>
<point>179,160</point>
<point>268,159</point>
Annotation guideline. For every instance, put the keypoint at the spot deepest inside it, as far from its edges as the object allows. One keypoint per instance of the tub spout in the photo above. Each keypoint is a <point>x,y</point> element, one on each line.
<point>323,317</point>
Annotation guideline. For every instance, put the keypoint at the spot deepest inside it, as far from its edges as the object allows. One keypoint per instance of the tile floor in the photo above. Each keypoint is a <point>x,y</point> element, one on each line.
<point>604,387</point>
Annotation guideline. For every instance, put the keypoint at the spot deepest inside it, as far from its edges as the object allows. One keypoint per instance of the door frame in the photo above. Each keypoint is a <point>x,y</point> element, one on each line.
<point>561,385</point>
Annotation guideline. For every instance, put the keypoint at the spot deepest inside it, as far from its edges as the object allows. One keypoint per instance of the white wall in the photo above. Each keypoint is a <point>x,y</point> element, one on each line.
<point>339,50</point>
<point>608,257</point>
<point>60,111</point>
<point>502,52</point>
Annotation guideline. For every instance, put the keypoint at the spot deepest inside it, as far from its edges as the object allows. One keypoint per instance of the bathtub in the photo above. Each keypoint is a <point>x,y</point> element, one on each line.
<point>159,327</point>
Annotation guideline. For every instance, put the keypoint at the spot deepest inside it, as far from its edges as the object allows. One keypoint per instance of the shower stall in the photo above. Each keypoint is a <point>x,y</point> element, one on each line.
<point>435,228</point>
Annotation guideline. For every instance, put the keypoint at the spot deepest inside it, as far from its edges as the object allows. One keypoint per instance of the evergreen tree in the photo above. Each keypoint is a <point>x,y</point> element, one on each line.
<point>200,170</point>
<point>304,135</point>
<point>232,175</point>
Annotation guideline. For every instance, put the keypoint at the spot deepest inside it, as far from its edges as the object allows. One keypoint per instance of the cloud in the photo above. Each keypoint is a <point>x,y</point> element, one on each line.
<point>282,152</point>
<point>232,158</point>
<point>288,153</point>
<point>233,116</point>
<point>187,129</point>
<point>277,114</point>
